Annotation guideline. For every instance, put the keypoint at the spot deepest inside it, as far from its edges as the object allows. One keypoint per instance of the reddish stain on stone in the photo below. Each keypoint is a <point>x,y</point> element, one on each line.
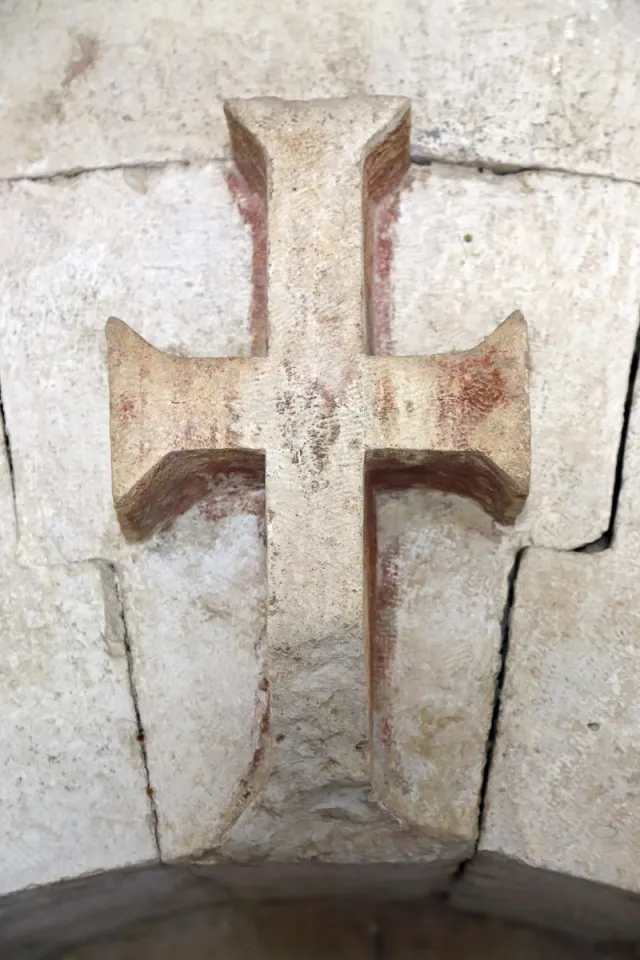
<point>384,215</point>
<point>232,496</point>
<point>385,400</point>
<point>383,640</point>
<point>265,721</point>
<point>385,732</point>
<point>116,354</point>
<point>253,211</point>
<point>88,52</point>
<point>473,388</point>
<point>248,782</point>
<point>126,410</point>
<point>216,488</point>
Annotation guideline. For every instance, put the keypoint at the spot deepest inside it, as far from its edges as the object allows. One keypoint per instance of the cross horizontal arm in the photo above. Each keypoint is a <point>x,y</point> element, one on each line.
<point>463,419</point>
<point>174,421</point>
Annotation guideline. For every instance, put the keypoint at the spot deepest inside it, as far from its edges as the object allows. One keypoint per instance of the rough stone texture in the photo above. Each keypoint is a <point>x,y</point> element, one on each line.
<point>72,783</point>
<point>425,932</point>
<point>440,689</point>
<point>174,259</point>
<point>472,247</point>
<point>533,82</point>
<point>313,419</point>
<point>194,600</point>
<point>563,804</point>
<point>168,251</point>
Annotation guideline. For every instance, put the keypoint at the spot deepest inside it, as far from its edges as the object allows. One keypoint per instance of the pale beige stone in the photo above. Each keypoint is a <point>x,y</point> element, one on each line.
<point>175,261</point>
<point>448,564</point>
<point>563,250</point>
<point>72,781</point>
<point>316,418</point>
<point>527,83</point>
<point>53,340</point>
<point>194,602</point>
<point>562,831</point>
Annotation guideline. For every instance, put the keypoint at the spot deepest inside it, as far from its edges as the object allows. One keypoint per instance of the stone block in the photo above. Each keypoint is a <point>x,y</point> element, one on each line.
<point>193,596</point>
<point>562,828</point>
<point>542,83</point>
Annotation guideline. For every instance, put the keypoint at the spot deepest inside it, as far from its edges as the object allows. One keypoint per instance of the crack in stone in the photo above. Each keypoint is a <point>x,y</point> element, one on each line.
<point>7,446</point>
<point>71,173</point>
<point>506,169</point>
<point>418,158</point>
<point>109,572</point>
<point>603,542</point>
<point>505,629</point>
<point>606,539</point>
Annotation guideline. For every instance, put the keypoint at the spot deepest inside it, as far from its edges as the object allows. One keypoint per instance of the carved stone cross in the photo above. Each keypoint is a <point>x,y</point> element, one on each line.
<point>322,421</point>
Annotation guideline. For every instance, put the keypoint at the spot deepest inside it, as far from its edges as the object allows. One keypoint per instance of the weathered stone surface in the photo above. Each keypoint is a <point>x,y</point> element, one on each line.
<point>471,247</point>
<point>562,827</point>
<point>535,82</point>
<point>174,259</point>
<point>316,420</point>
<point>445,566</point>
<point>53,370</point>
<point>194,601</point>
<point>72,782</point>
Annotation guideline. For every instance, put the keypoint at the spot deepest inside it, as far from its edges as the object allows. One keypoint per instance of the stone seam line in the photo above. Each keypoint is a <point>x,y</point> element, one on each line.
<point>604,542</point>
<point>421,159</point>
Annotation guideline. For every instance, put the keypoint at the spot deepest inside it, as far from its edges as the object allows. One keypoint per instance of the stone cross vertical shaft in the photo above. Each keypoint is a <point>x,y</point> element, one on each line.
<point>322,421</point>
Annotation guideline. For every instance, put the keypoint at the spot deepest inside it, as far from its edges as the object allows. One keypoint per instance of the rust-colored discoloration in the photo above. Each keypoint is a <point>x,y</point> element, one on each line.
<point>383,643</point>
<point>386,175</point>
<point>180,481</point>
<point>88,53</point>
<point>126,410</point>
<point>384,217</point>
<point>471,389</point>
<point>232,495</point>
<point>466,474</point>
<point>263,706</point>
<point>320,423</point>
<point>252,209</point>
<point>384,399</point>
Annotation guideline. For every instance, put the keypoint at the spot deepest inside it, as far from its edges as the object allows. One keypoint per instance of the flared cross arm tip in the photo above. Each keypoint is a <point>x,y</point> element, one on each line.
<point>457,423</point>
